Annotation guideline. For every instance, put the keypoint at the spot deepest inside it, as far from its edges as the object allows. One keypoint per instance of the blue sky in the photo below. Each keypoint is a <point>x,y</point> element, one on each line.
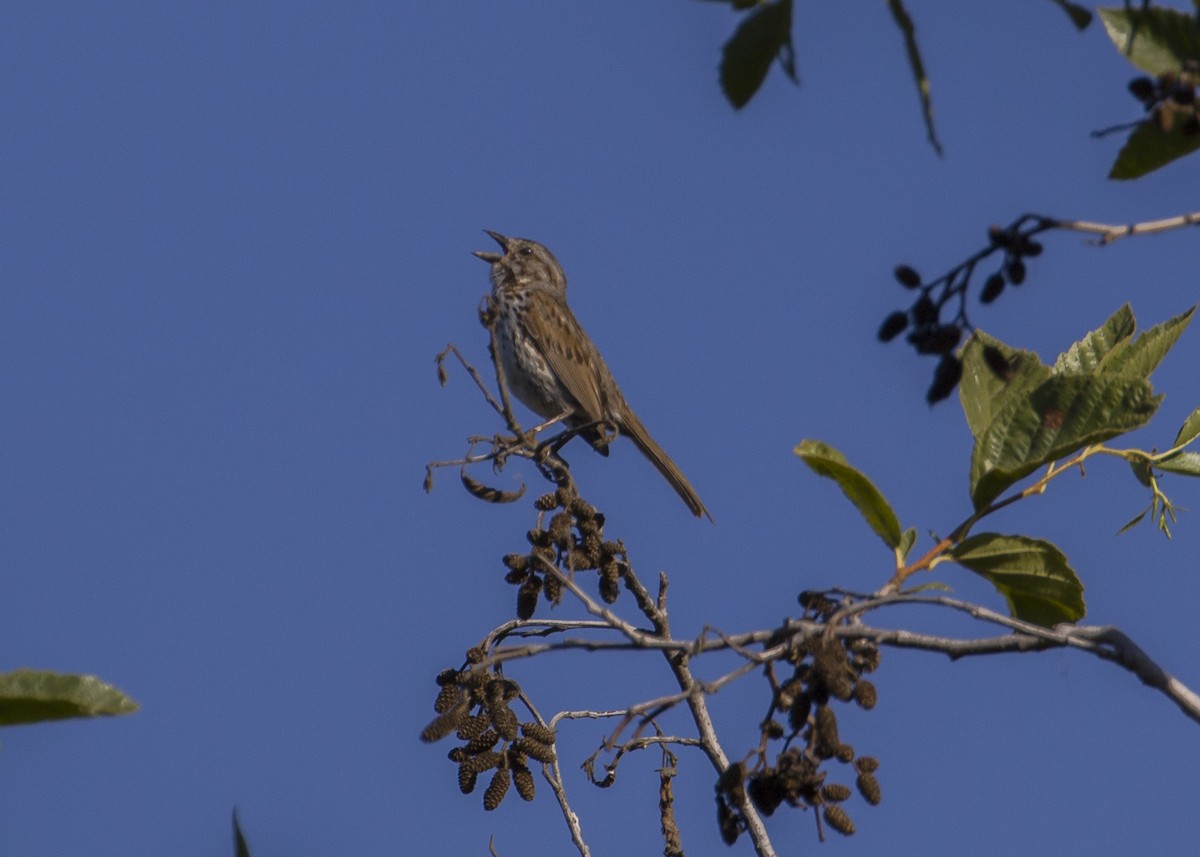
<point>234,239</point>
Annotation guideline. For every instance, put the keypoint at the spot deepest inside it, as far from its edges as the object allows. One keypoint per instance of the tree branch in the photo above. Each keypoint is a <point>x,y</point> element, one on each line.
<point>1109,233</point>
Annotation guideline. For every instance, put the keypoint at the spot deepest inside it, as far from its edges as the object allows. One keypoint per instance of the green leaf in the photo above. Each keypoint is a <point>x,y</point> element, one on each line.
<point>1086,355</point>
<point>1080,16</point>
<point>828,462</point>
<point>762,36</point>
<point>1155,40</point>
<point>1033,576</point>
<point>29,696</point>
<point>1185,464</point>
<point>1063,414</point>
<point>907,539</point>
<point>1189,430</point>
<point>1137,519</point>
<point>1162,511</point>
<point>1149,148</point>
<point>1143,356</point>
<point>917,67</point>
<point>981,393</point>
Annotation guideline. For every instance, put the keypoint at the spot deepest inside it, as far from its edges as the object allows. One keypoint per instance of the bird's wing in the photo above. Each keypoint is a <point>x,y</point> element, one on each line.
<point>572,357</point>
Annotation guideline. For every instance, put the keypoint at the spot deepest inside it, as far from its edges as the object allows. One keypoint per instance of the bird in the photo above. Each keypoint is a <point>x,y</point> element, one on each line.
<point>552,366</point>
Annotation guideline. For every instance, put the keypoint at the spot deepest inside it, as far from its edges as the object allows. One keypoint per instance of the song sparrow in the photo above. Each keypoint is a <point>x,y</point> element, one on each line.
<point>552,366</point>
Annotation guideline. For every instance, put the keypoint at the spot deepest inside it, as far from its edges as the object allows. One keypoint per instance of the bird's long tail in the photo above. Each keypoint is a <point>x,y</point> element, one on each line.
<point>632,428</point>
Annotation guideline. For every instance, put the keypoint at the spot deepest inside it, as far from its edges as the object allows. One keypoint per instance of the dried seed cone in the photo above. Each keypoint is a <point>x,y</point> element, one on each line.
<point>447,698</point>
<point>505,722</point>
<point>732,782</point>
<point>502,689</point>
<point>610,583</point>
<point>868,787</point>
<point>727,822</point>
<point>543,753</point>
<point>483,762</point>
<point>552,586</point>
<point>864,694</point>
<point>766,792</point>
<point>496,790</point>
<point>580,560</point>
<point>560,529</point>
<point>444,724</point>
<point>467,779</point>
<point>817,603</point>
<point>866,764</point>
<point>474,726</point>
<point>516,561</point>
<point>798,713</point>
<point>836,817</point>
<point>538,732</point>
<point>522,778</point>
<point>835,792</point>
<point>591,547</point>
<point>582,509</point>
<point>832,667</point>
<point>866,652</point>
<point>484,741</point>
<point>538,537</point>
<point>527,597</point>
<point>826,734</point>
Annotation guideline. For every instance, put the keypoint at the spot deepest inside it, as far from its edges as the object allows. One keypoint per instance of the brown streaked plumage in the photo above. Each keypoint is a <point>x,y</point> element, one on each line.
<point>553,367</point>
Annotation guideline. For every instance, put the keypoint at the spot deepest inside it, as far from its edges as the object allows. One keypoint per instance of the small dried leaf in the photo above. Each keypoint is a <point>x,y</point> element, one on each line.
<point>489,494</point>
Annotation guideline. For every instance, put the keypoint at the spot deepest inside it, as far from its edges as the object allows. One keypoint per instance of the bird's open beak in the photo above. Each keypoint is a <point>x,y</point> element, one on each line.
<point>493,258</point>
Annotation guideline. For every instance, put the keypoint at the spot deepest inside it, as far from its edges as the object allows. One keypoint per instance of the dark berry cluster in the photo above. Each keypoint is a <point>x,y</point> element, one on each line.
<point>572,539</point>
<point>475,704</point>
<point>825,668</point>
<point>1017,247</point>
<point>1171,98</point>
<point>937,318</point>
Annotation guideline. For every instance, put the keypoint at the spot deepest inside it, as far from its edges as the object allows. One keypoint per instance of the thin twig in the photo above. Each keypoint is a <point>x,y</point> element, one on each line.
<point>635,635</point>
<point>487,317</point>
<point>553,776</point>
<point>1105,642</point>
<point>1109,233</point>
<point>698,703</point>
<point>939,550</point>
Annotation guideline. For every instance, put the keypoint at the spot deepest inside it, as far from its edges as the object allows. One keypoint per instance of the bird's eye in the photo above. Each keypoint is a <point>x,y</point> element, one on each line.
<point>526,251</point>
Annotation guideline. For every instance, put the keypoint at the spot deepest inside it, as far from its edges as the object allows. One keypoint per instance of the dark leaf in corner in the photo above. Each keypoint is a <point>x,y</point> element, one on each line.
<point>764,35</point>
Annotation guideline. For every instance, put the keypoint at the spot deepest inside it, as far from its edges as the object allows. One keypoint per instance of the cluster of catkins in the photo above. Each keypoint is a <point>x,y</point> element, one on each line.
<point>825,668</point>
<point>572,539</point>
<point>473,703</point>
